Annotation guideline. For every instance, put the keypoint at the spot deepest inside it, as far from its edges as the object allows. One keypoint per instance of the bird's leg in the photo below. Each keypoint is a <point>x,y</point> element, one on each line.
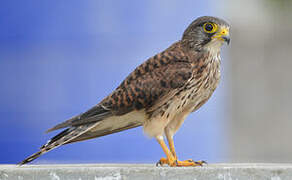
<point>189,162</point>
<point>170,143</point>
<point>170,160</point>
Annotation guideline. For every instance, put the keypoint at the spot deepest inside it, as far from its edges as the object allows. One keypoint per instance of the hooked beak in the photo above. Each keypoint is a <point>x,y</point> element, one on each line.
<point>226,39</point>
<point>223,35</point>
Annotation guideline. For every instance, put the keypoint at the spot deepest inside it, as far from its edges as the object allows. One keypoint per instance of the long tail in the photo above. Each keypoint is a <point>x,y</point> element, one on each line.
<point>62,138</point>
<point>31,158</point>
<point>81,132</point>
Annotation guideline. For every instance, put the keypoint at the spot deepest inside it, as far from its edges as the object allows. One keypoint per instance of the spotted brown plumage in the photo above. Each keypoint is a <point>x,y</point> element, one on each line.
<point>158,94</point>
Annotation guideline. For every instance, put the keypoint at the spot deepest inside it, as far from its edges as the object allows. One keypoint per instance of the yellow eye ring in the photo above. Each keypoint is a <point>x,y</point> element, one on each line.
<point>210,27</point>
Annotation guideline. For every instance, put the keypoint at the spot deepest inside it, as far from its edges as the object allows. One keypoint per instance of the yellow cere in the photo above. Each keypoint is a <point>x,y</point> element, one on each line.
<point>223,32</point>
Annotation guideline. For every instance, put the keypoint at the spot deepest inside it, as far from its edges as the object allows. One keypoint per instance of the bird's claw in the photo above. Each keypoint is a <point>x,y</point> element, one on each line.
<point>161,162</point>
<point>200,163</point>
<point>158,164</point>
<point>176,163</point>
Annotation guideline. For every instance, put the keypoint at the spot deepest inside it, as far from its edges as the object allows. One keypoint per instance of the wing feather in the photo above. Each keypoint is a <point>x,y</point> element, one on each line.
<point>149,85</point>
<point>95,114</point>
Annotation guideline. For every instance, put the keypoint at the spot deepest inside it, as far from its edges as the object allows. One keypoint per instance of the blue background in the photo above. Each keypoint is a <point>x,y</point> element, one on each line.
<point>58,58</point>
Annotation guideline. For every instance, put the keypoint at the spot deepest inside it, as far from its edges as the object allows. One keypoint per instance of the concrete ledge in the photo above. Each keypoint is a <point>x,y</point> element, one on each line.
<point>146,172</point>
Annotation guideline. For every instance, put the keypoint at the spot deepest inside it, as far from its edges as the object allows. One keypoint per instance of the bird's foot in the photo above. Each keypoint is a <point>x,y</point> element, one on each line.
<point>176,163</point>
<point>164,161</point>
<point>190,162</point>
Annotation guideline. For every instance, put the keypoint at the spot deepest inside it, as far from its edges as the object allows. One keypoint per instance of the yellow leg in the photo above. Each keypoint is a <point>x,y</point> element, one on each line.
<point>170,159</point>
<point>171,145</point>
<point>171,155</point>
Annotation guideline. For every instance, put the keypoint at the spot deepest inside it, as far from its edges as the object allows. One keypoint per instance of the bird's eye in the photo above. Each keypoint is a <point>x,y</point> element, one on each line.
<point>209,27</point>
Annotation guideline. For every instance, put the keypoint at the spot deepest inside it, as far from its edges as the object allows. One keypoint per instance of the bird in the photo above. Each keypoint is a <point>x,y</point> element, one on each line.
<point>158,95</point>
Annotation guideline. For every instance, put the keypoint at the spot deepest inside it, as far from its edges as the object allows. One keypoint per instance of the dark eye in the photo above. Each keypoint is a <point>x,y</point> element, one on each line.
<point>210,27</point>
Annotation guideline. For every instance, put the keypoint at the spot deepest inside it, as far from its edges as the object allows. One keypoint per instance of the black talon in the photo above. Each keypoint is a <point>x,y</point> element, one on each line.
<point>176,162</point>
<point>200,163</point>
<point>158,164</point>
<point>204,162</point>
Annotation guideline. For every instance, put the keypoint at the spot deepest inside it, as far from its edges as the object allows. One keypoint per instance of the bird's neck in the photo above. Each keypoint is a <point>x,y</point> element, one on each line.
<point>213,47</point>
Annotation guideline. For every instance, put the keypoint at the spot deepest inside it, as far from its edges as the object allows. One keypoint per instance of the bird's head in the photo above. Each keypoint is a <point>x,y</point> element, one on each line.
<point>206,33</point>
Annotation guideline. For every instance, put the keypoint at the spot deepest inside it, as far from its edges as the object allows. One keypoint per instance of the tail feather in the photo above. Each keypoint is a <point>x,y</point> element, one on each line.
<point>95,114</point>
<point>31,158</point>
<point>102,132</point>
<point>110,125</point>
<point>60,139</point>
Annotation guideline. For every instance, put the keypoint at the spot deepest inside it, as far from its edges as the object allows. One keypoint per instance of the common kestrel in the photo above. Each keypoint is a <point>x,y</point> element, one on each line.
<point>158,94</point>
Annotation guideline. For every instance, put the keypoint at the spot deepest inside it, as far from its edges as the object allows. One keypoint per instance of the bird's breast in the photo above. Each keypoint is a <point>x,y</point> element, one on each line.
<point>201,86</point>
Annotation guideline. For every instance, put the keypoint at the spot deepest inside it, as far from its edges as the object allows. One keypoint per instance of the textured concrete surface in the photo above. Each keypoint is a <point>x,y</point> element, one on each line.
<point>146,172</point>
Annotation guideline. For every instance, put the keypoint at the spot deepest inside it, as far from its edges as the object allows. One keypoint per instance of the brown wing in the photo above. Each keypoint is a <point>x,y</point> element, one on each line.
<point>147,85</point>
<point>145,91</point>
